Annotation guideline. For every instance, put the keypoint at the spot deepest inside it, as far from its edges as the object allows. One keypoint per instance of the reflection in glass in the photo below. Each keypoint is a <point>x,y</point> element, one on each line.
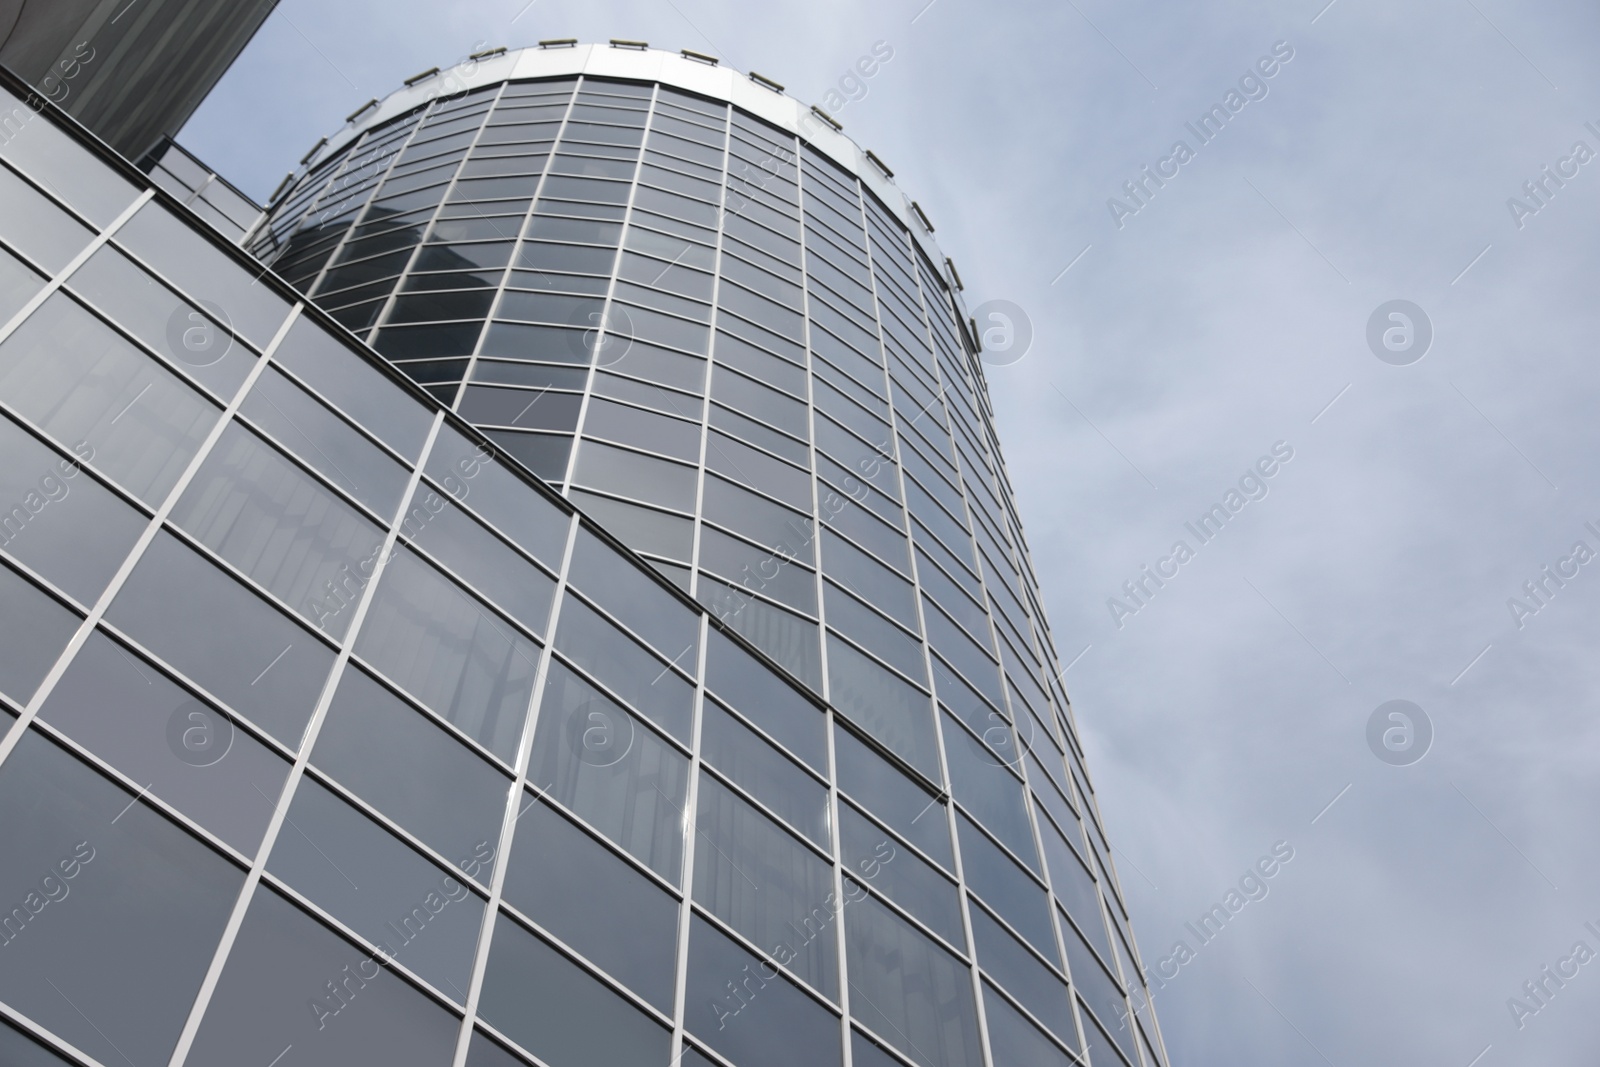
<point>124,916</point>
<point>446,649</point>
<point>610,768</point>
<point>102,398</point>
<point>280,526</point>
<point>292,982</point>
<point>118,706</point>
<point>594,901</point>
<point>559,1012</point>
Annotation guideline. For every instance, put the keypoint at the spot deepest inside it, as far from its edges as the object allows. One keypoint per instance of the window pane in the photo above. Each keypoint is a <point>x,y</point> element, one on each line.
<point>870,855</point>
<point>18,284</point>
<point>292,982</point>
<point>37,629</point>
<point>53,156</point>
<point>122,709</point>
<point>654,481</point>
<point>355,387</point>
<point>764,1018</point>
<point>1021,974</point>
<point>767,700</point>
<point>907,989</point>
<point>64,525</point>
<point>988,791</point>
<point>766,885</point>
<point>107,401</point>
<point>601,762</point>
<point>281,527</point>
<point>18,1050</point>
<point>414,912</point>
<point>184,332</point>
<point>34,226</point>
<point>738,752</point>
<point>574,887</point>
<point>486,1053</point>
<point>642,529</point>
<point>121,917</point>
<point>261,663</point>
<point>447,650</point>
<point>885,706</point>
<point>558,1011</point>
<point>308,429</point>
<point>643,680</point>
<point>472,553</point>
<point>996,878</point>
<point>473,476</point>
<point>1015,1041</point>
<point>897,800</point>
<point>1099,990</point>
<point>203,271</point>
<point>625,591</point>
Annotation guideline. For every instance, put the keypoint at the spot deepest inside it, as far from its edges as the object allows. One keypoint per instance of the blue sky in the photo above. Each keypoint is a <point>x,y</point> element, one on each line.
<point>1227,314</point>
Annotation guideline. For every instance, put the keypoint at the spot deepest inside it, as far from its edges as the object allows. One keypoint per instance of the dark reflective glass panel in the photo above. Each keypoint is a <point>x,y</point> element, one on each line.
<point>37,629</point>
<point>262,663</point>
<point>907,989</point>
<point>411,769</point>
<point>744,1008</point>
<point>292,984</point>
<point>113,911</point>
<point>118,706</point>
<point>621,778</point>
<point>594,901</point>
<point>412,912</point>
<point>558,1011</point>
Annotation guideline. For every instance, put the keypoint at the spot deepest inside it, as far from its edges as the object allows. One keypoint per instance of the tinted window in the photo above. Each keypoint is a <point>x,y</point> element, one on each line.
<point>113,911</point>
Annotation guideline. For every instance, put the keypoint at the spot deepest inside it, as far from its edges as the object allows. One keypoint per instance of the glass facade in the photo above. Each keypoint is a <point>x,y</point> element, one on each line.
<point>659,679</point>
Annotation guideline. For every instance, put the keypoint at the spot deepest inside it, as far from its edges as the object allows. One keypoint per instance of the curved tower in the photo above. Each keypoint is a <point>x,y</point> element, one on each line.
<point>734,737</point>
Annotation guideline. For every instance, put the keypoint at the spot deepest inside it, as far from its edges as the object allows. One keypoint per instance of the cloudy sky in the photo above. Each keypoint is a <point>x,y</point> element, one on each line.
<point>1227,313</point>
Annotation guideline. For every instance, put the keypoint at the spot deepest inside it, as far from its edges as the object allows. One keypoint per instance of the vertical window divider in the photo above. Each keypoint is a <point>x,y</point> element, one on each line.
<point>98,609</point>
<point>379,320</point>
<point>927,654</point>
<point>340,171</point>
<point>514,809</point>
<point>603,328</point>
<point>822,615</point>
<point>517,239</point>
<point>711,349</point>
<point>691,806</point>
<point>319,715</point>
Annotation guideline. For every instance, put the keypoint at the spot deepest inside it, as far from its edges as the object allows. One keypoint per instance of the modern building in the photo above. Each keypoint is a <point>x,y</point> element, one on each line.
<point>133,71</point>
<point>656,676</point>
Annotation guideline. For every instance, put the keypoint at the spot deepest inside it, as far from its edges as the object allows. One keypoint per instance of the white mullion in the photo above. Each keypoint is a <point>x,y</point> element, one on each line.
<point>711,349</point>
<point>514,809</point>
<point>938,726</point>
<point>379,320</point>
<point>691,802</point>
<point>319,715</point>
<point>9,742</point>
<point>603,330</point>
<point>822,617</point>
<point>517,238</point>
